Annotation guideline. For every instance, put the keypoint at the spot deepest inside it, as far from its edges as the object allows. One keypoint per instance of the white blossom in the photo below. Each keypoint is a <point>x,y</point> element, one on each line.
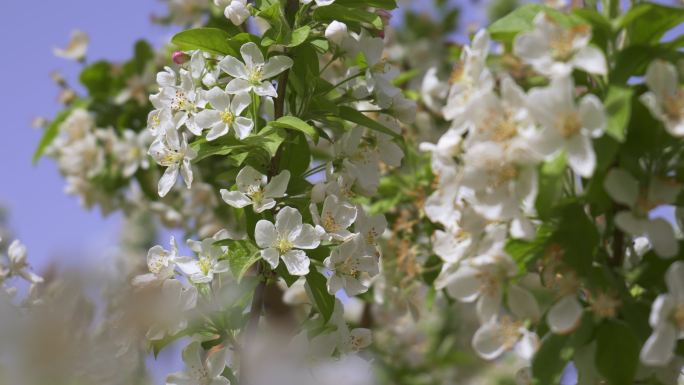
<point>237,11</point>
<point>176,156</point>
<point>200,368</point>
<point>253,188</point>
<point>224,115</point>
<point>554,50</point>
<point>253,74</point>
<point>286,239</point>
<point>665,98</point>
<point>335,218</point>
<point>352,267</point>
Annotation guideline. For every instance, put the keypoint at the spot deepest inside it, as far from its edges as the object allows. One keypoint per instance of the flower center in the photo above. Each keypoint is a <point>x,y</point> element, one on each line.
<point>510,331</point>
<point>570,125</point>
<point>256,194</point>
<point>156,121</point>
<point>504,129</point>
<point>673,106</point>
<point>284,245</point>
<point>256,75</point>
<point>156,264</point>
<point>180,101</point>
<point>329,224</point>
<point>563,45</point>
<point>227,117</point>
<point>172,157</point>
<point>489,283</point>
<point>205,264</point>
<point>678,316</point>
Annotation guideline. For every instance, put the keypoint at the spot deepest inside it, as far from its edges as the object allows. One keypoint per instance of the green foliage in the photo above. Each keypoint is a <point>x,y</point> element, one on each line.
<point>354,116</point>
<point>646,23</point>
<point>353,17</point>
<point>617,352</point>
<point>211,40</point>
<point>618,105</point>
<point>241,255</point>
<point>551,182</point>
<point>294,123</point>
<point>316,288</point>
<point>549,362</point>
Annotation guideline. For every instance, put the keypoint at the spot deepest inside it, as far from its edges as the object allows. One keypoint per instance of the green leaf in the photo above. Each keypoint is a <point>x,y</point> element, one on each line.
<point>618,107</point>
<point>551,180</point>
<point>294,123</point>
<point>269,139</point>
<point>578,237</point>
<point>52,130</point>
<point>279,32</point>
<point>549,362</point>
<point>317,289</point>
<point>646,23</point>
<point>354,116</point>
<point>296,155</point>
<point>157,345</point>
<point>527,252</point>
<point>212,40</point>
<point>384,4</point>
<point>97,79</point>
<point>299,36</point>
<point>522,19</point>
<point>617,352</point>
<point>241,255</point>
<point>354,17</point>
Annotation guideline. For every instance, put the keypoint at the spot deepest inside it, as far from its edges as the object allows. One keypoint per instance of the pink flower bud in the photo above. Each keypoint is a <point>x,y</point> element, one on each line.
<point>179,57</point>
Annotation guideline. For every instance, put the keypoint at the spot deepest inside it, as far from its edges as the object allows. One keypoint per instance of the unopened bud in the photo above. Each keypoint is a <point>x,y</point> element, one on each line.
<point>179,57</point>
<point>336,32</point>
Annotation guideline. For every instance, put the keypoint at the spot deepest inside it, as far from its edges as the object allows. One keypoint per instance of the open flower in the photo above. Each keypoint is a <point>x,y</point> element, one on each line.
<point>501,334</point>
<point>202,270</point>
<point>567,126</point>
<point>76,48</point>
<point>285,240</point>
<point>175,155</point>
<point>17,262</point>
<point>160,263</point>
<point>200,369</point>
<point>253,74</point>
<point>665,99</point>
<point>625,189</point>
<point>336,217</point>
<point>371,229</point>
<point>351,266</point>
<point>254,189</point>
<point>666,319</point>
<point>130,152</point>
<point>224,115</point>
<point>554,50</point>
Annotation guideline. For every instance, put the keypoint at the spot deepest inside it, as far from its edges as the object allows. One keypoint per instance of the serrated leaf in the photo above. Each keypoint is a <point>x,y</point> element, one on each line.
<point>317,289</point>
<point>294,123</point>
<point>354,116</point>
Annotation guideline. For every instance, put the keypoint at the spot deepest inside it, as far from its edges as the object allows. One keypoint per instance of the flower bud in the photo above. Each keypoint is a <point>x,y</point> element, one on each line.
<point>179,57</point>
<point>336,32</point>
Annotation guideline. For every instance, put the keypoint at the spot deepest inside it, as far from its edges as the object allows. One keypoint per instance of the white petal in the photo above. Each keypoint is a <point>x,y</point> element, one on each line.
<point>240,103</point>
<point>297,262</point>
<point>287,220</point>
<point>674,277</point>
<point>271,256</point>
<point>488,306</point>
<point>661,310</point>
<point>464,284</point>
<point>276,65</point>
<point>218,98</point>
<point>243,127</point>
<point>265,234</point>
<point>235,198</point>
<point>621,186</point>
<point>592,115</point>
<point>307,238</point>
<point>234,67</point>
<point>252,55</point>
<point>523,304</point>
<point>237,86</point>
<point>278,185</point>
<point>662,237</point>
<point>217,131</point>
<point>565,315</point>
<point>266,89</point>
<point>591,60</point>
<point>659,348</point>
<point>167,180</point>
<point>581,156</point>
<point>207,118</point>
<point>629,223</point>
<point>488,341</point>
